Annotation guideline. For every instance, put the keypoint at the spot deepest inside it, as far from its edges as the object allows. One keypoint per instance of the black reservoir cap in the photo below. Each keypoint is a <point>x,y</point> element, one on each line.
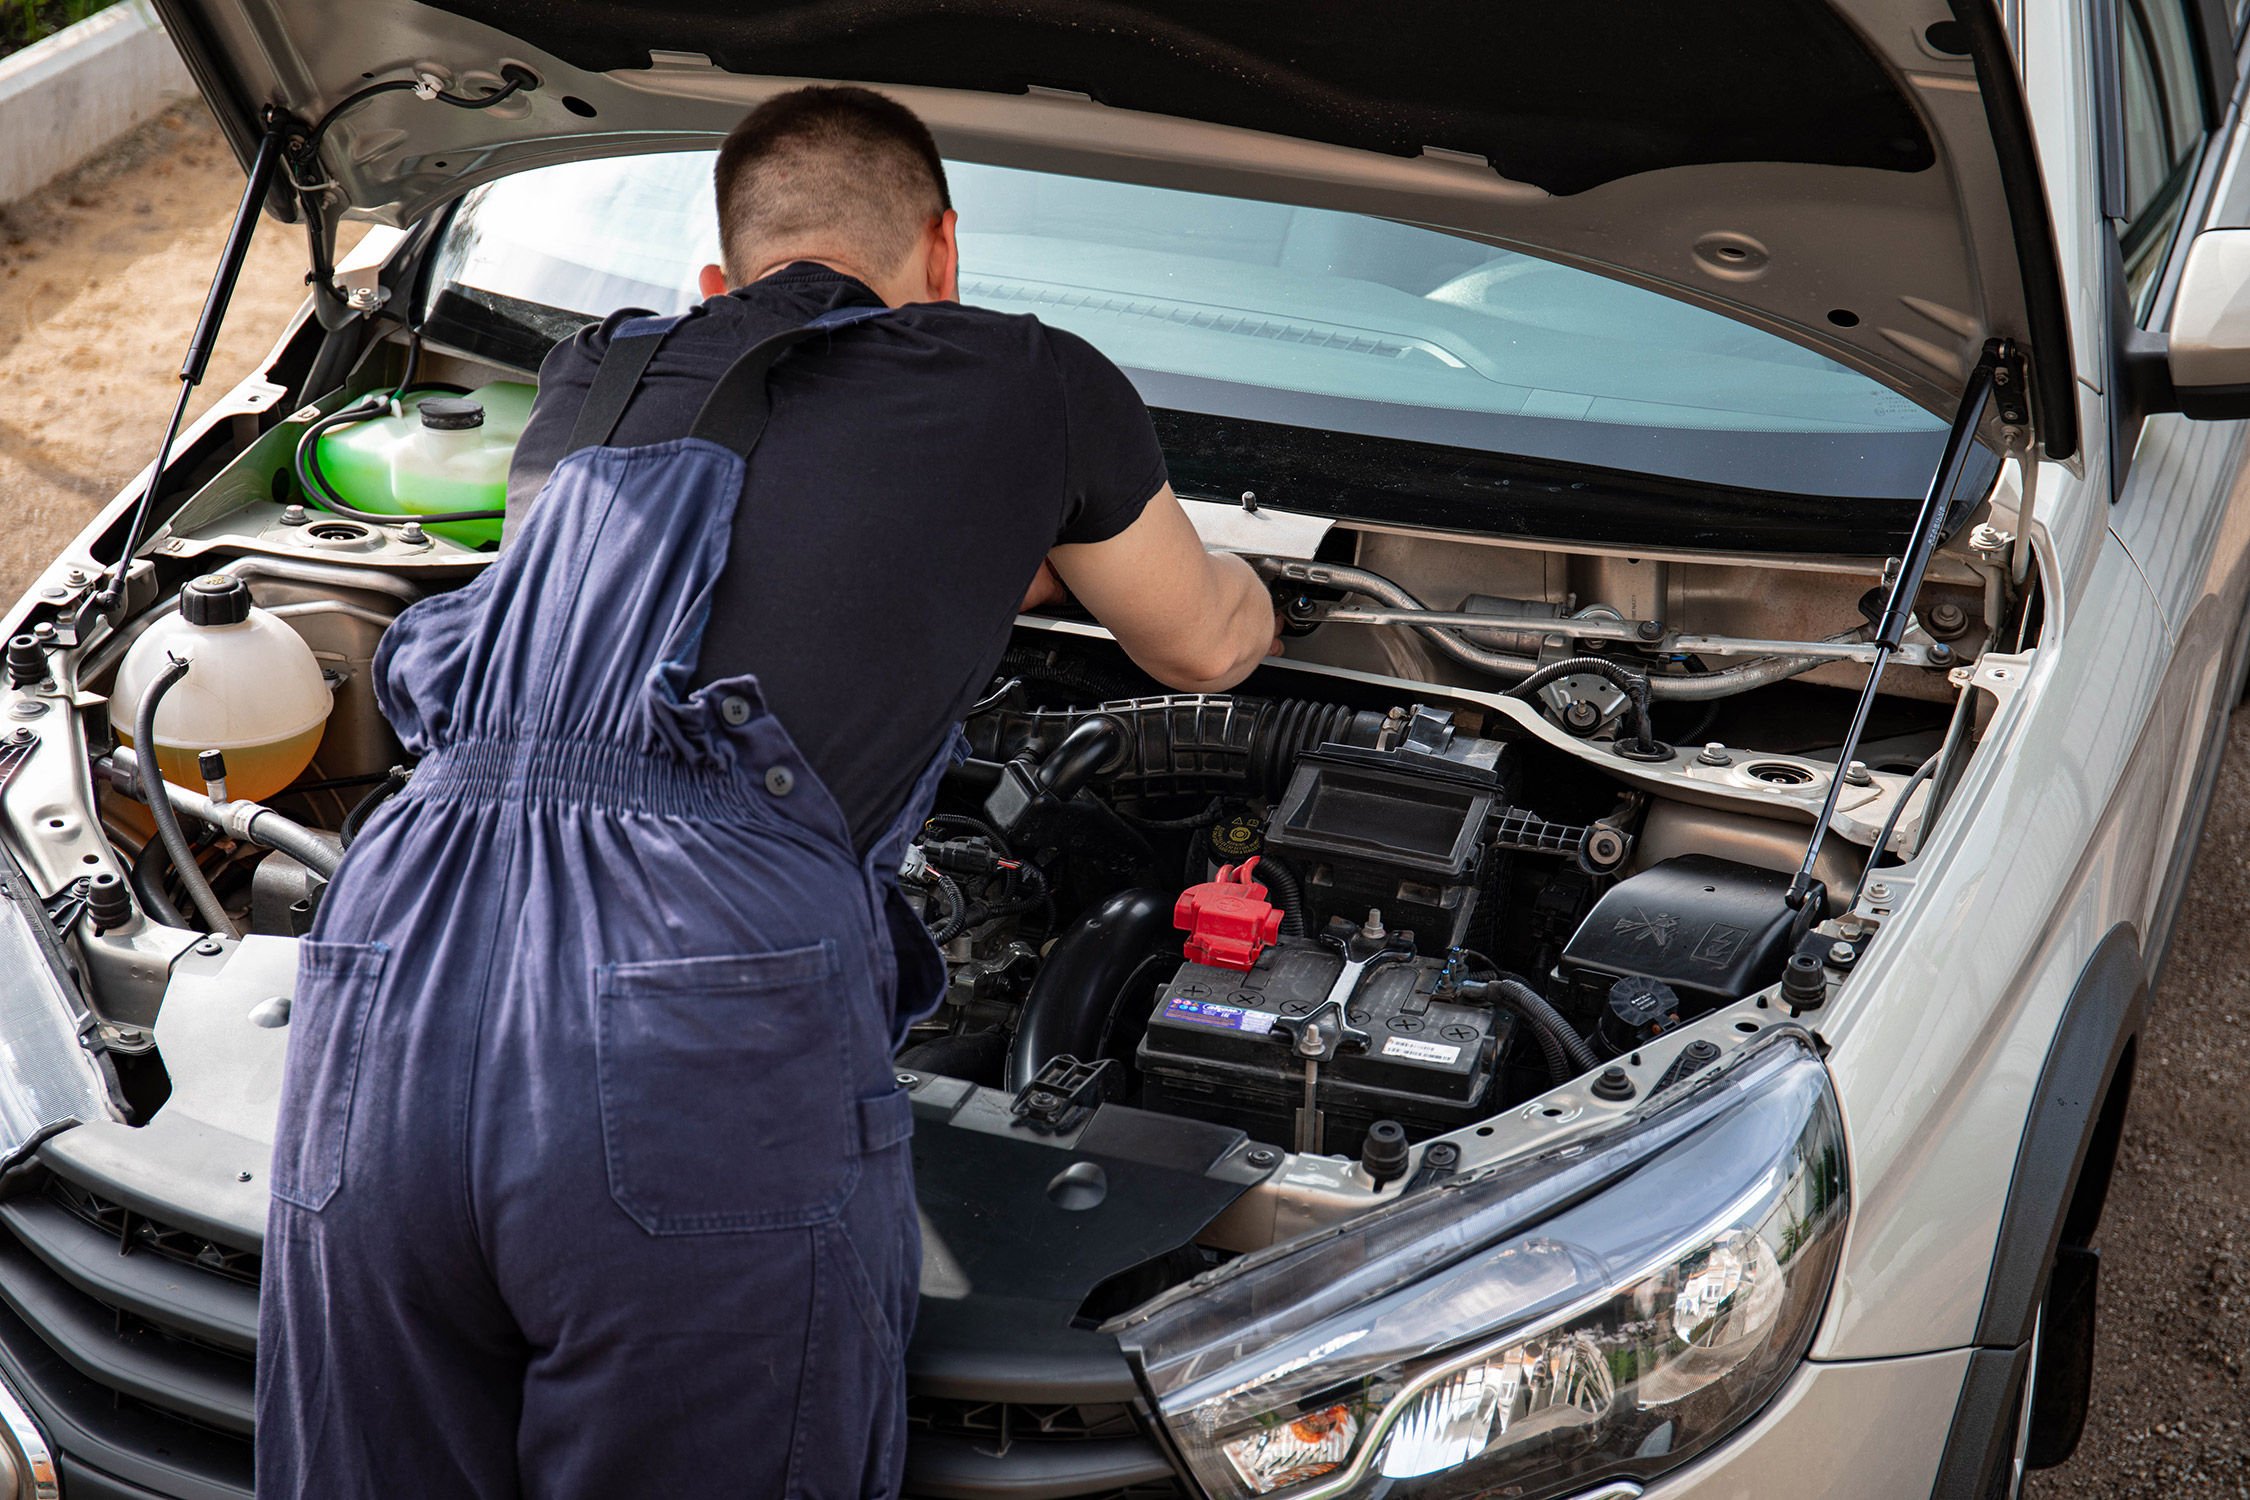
<point>451,413</point>
<point>215,599</point>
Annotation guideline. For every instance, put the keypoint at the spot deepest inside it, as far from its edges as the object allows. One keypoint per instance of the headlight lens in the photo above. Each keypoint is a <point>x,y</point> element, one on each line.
<point>1605,1311</point>
<point>47,1079</point>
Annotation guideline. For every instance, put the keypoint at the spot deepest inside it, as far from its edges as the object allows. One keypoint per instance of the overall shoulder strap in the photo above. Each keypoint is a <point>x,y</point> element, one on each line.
<point>618,376</point>
<point>734,414</point>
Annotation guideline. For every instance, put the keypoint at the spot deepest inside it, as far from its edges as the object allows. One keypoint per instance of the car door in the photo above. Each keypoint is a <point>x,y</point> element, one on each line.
<point>2170,158</point>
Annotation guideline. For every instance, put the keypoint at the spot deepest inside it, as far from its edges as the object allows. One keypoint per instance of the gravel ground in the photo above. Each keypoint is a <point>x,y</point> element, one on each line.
<point>101,277</point>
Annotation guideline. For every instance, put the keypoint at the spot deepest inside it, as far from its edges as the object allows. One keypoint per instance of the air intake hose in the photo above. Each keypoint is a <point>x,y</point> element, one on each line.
<point>1184,744</point>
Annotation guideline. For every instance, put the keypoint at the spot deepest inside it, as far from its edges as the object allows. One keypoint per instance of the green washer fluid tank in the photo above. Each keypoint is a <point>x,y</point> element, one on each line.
<point>443,453</point>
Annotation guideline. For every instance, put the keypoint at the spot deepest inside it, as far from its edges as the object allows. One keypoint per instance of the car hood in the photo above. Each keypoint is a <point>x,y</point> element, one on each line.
<point>1847,175</point>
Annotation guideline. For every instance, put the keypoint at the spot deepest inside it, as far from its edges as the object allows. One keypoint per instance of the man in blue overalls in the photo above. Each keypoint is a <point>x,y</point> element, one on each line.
<point>591,1176</point>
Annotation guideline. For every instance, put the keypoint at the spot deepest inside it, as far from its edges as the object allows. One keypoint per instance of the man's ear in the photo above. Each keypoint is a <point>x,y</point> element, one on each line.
<point>712,282</point>
<point>944,267</point>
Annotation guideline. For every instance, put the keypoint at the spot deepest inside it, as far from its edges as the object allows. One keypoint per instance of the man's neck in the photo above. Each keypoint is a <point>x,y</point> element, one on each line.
<point>840,266</point>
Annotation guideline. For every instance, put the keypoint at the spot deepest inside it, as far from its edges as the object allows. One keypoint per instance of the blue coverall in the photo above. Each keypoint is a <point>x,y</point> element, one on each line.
<point>591,1176</point>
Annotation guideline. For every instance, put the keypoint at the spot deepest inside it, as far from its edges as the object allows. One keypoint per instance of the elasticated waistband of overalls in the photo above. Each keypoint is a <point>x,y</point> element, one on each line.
<point>586,773</point>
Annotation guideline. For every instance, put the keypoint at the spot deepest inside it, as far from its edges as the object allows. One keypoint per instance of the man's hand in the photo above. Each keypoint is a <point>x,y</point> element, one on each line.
<point>1194,620</point>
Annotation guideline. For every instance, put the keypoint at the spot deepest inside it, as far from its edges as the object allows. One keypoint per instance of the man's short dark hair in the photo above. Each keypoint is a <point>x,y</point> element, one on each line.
<point>830,169</point>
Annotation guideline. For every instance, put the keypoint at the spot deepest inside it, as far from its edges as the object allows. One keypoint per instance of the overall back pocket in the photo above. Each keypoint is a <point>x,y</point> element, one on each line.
<point>336,988</point>
<point>727,1093</point>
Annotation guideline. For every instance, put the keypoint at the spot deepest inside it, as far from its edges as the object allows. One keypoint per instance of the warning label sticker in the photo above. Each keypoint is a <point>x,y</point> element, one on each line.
<point>1420,1051</point>
<point>1210,1013</point>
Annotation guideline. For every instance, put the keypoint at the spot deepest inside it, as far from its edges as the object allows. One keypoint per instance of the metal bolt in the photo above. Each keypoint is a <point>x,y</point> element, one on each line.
<point>1041,1099</point>
<point>1261,1156</point>
<point>44,633</point>
<point>1989,541</point>
<point>1947,619</point>
<point>1441,1154</point>
<point>1879,891</point>
<point>363,298</point>
<point>75,575</point>
<point>1649,630</point>
<point>210,947</point>
<point>242,1177</point>
<point>1842,955</point>
<point>292,515</point>
<point>1940,654</point>
<point>131,1036</point>
<point>1714,754</point>
<point>413,535</point>
<point>1855,774</point>
<point>906,1080</point>
<point>21,736</point>
<point>1582,715</point>
<point>1250,500</point>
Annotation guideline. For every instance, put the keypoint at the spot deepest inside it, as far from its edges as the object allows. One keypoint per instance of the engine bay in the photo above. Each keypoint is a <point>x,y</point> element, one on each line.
<point>1443,879</point>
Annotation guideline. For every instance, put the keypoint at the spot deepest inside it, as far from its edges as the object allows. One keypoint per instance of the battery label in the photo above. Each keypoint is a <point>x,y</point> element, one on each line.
<point>1430,1052</point>
<point>1210,1013</point>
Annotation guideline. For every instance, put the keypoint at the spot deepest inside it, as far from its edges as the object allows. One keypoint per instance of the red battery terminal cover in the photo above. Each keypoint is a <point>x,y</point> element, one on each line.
<point>1229,921</point>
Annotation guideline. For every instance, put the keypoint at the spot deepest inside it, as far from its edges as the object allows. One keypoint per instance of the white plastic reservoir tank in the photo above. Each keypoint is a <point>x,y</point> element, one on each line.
<point>253,691</point>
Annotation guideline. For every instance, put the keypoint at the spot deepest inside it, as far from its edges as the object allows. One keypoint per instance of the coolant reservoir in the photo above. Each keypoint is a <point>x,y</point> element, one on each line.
<point>253,690</point>
<point>442,453</point>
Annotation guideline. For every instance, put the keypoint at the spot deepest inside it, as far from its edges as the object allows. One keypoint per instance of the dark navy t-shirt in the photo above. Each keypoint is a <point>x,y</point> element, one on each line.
<point>915,470</point>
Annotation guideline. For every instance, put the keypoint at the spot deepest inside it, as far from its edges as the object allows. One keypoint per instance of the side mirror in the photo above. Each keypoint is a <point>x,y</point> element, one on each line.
<point>2209,353</point>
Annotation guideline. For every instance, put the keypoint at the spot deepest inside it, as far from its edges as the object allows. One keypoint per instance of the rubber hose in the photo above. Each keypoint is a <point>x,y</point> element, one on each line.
<point>1289,894</point>
<point>1534,1008</point>
<point>200,895</point>
<point>318,491</point>
<point>1088,973</point>
<point>147,879</point>
<point>1184,742</point>
<point>1091,746</point>
<point>364,809</point>
<point>286,836</point>
<point>1633,684</point>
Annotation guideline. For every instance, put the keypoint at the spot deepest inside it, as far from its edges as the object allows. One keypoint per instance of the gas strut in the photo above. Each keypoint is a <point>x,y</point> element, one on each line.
<point>200,344</point>
<point>1997,379</point>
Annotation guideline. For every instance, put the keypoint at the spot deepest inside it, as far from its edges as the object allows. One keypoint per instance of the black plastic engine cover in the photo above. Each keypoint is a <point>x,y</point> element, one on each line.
<point>1216,1049</point>
<point>1712,929</point>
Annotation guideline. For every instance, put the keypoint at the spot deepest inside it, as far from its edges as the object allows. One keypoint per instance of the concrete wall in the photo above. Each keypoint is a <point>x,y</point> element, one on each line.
<point>65,98</point>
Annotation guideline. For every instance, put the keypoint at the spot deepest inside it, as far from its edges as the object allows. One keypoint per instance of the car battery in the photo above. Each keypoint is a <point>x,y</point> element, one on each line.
<point>1219,1048</point>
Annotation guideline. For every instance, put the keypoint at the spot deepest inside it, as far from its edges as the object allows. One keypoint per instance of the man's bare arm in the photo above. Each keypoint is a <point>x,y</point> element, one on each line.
<point>1194,620</point>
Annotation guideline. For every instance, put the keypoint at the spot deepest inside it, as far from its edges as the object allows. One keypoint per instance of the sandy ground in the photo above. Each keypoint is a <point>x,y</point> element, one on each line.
<point>101,278</point>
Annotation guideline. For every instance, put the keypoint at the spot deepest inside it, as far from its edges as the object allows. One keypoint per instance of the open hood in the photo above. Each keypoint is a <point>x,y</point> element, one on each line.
<point>1856,176</point>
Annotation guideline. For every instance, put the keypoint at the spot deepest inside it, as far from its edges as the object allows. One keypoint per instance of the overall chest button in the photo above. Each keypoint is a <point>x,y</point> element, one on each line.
<point>779,781</point>
<point>735,710</point>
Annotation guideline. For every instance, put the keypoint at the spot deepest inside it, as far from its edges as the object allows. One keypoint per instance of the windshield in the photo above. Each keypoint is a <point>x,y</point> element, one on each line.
<point>1305,318</point>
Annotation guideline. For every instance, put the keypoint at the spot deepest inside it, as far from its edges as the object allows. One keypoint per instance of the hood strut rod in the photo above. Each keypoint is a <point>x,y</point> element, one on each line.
<point>200,344</point>
<point>2000,367</point>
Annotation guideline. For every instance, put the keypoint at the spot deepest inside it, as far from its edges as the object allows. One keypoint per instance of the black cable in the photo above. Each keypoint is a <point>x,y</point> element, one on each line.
<point>200,895</point>
<point>1200,818</point>
<point>316,484</point>
<point>1633,684</point>
<point>1921,774</point>
<point>991,835</point>
<point>1283,880</point>
<point>356,819</point>
<point>1534,1008</point>
<point>958,905</point>
<point>516,80</point>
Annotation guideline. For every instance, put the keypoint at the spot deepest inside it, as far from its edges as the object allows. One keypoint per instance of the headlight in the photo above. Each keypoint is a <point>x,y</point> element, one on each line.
<point>1606,1310</point>
<point>47,1079</point>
